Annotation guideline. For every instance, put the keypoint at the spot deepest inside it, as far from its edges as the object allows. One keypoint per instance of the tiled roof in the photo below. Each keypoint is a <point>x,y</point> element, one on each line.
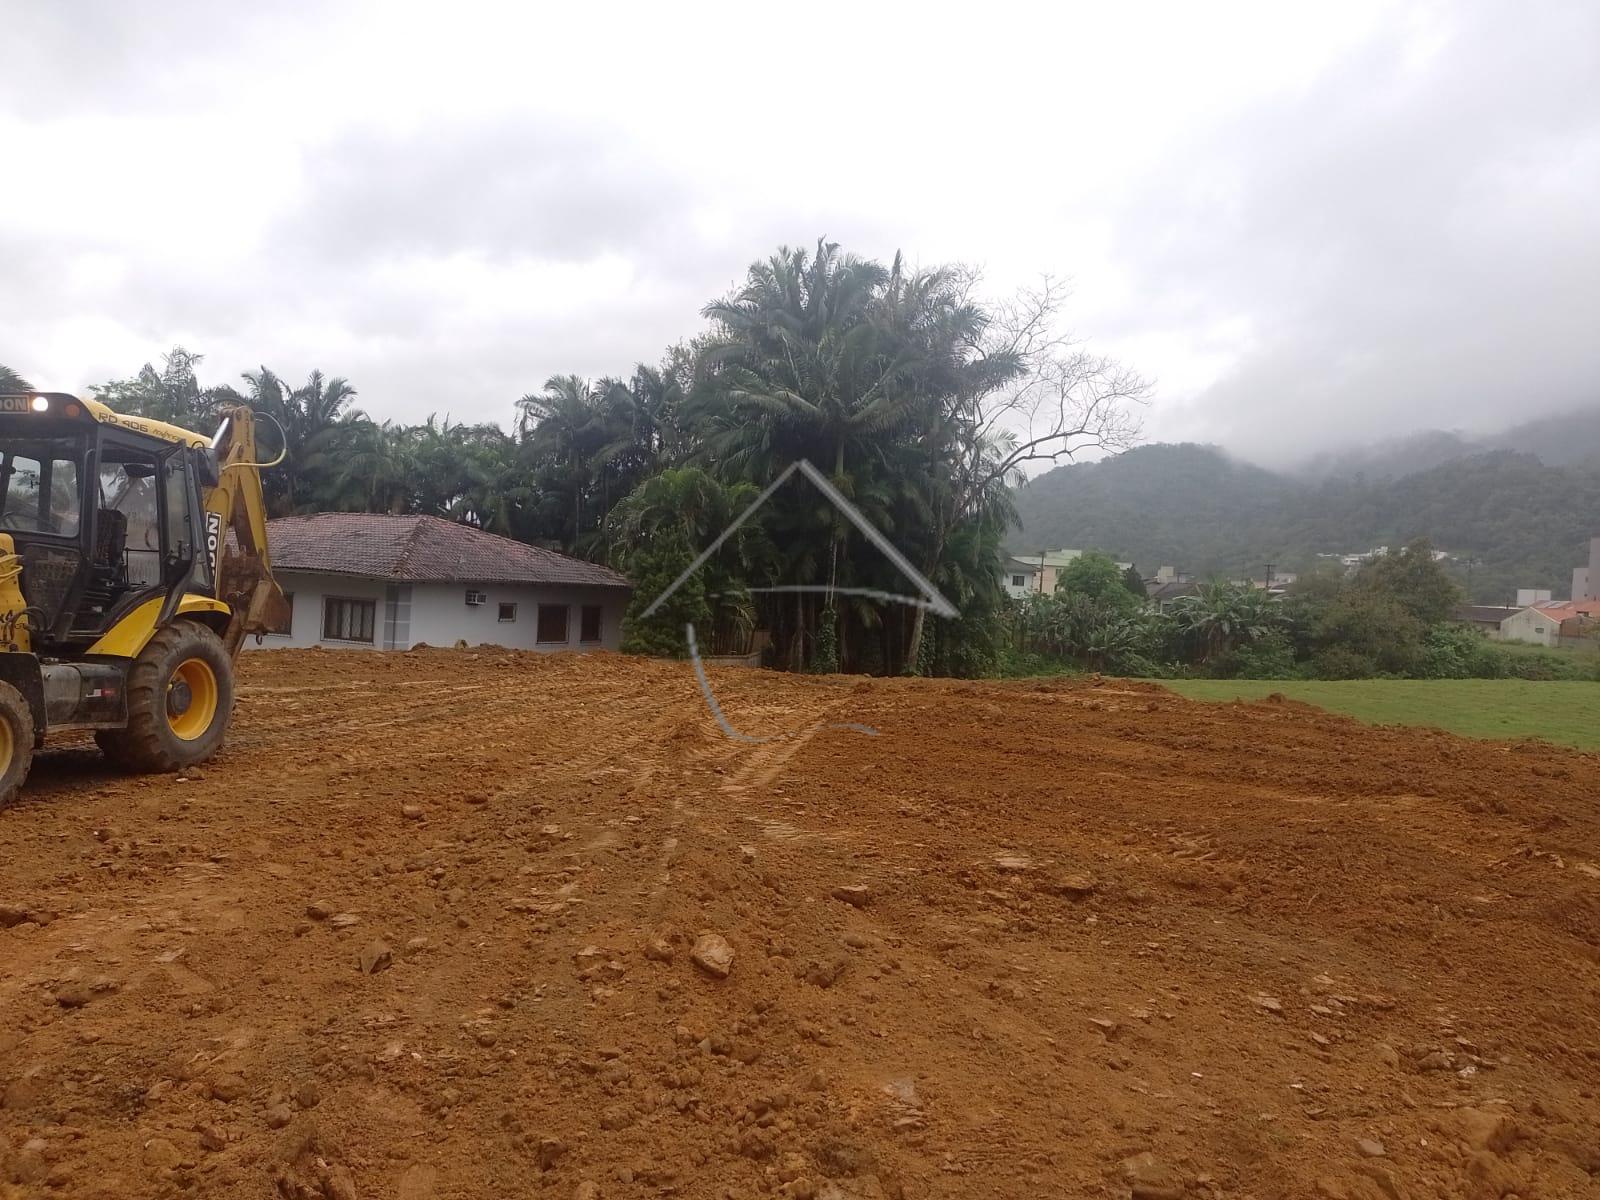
<point>417,549</point>
<point>1485,612</point>
<point>1561,610</point>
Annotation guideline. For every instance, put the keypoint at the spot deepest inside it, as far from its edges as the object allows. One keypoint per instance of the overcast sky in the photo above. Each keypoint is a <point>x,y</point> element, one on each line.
<point>1309,225</point>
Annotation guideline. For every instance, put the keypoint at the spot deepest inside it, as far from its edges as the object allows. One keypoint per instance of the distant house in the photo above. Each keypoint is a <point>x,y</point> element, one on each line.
<point>391,582</point>
<point>1019,578</point>
<point>1566,625</point>
<point>1038,573</point>
<point>1486,618</point>
<point>1162,594</point>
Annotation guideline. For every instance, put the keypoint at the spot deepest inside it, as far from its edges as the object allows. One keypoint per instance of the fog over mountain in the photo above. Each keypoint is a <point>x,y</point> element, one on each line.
<point>1559,440</point>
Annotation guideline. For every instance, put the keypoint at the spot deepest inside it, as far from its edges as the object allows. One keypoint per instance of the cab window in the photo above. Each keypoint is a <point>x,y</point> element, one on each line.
<point>40,490</point>
<point>129,519</point>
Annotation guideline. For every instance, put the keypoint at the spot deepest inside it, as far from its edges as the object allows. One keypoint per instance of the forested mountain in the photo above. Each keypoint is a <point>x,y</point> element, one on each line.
<point>1527,523</point>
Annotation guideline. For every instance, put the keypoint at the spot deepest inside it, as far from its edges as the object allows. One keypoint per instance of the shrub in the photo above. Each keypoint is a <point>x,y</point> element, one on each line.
<point>1011,663</point>
<point>1536,662</point>
<point>1340,662</point>
<point>1456,652</point>
<point>825,654</point>
<point>1268,657</point>
<point>663,633</point>
<point>1137,666</point>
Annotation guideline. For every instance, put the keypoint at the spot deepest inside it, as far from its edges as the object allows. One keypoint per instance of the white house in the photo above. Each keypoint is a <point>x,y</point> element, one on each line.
<point>1531,625</point>
<point>1019,578</point>
<point>1564,624</point>
<point>391,582</point>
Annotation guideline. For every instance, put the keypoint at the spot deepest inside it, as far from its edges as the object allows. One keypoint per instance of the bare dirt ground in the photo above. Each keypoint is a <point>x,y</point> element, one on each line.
<point>425,928</point>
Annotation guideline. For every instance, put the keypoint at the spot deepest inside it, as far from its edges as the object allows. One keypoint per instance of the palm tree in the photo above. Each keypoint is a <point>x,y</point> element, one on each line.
<point>562,428</point>
<point>686,507</point>
<point>1221,616</point>
<point>10,381</point>
<point>872,371</point>
<point>798,352</point>
<point>172,394</point>
<point>302,414</point>
<point>358,465</point>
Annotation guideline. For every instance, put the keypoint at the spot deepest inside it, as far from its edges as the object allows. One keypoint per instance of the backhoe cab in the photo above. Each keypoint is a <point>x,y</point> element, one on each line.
<point>123,600</point>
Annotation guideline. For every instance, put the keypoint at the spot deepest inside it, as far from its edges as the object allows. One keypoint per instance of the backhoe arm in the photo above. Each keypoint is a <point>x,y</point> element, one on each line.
<point>235,504</point>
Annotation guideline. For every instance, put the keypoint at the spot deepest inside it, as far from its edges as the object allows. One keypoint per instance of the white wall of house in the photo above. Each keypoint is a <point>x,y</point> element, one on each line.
<point>440,615</point>
<point>306,594</point>
<point>1531,625</point>
<point>401,616</point>
<point>1019,581</point>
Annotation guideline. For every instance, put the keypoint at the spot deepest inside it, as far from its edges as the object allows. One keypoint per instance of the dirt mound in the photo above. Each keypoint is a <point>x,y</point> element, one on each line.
<point>470,924</point>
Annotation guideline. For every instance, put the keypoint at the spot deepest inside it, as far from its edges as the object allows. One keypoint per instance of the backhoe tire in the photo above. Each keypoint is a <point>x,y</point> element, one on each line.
<point>16,742</point>
<point>180,696</point>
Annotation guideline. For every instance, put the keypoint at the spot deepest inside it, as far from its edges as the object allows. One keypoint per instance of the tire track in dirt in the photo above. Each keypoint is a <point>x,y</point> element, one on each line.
<point>1081,900</point>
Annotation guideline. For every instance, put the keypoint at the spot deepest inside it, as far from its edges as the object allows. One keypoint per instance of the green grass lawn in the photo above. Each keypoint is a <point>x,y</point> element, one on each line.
<point>1563,712</point>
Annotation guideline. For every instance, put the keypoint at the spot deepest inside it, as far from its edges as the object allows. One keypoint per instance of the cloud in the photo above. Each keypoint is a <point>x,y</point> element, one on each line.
<point>1409,243</point>
<point>93,56</point>
<point>503,188</point>
<point>1311,224</point>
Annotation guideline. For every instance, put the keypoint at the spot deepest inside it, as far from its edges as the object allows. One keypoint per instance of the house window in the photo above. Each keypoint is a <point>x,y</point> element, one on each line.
<point>508,612</point>
<point>285,627</point>
<point>1017,581</point>
<point>346,620</point>
<point>589,623</point>
<point>552,623</point>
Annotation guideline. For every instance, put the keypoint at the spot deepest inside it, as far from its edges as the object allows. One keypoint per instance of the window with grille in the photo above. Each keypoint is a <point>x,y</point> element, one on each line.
<point>346,620</point>
<point>508,612</point>
<point>552,623</point>
<point>589,625</point>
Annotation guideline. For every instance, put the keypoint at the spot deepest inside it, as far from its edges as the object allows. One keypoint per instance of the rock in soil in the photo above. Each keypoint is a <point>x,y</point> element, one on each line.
<point>73,995</point>
<point>376,956</point>
<point>713,955</point>
<point>1151,1179</point>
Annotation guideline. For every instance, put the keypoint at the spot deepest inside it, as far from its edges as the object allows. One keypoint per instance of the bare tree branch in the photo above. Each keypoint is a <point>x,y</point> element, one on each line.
<point>1066,402</point>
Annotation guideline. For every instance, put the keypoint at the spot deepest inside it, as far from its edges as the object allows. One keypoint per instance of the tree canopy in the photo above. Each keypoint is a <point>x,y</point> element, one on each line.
<point>917,397</point>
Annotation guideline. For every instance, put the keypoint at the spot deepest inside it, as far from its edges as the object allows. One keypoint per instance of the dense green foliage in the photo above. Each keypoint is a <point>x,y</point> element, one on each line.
<point>895,383</point>
<point>1520,522</point>
<point>1564,713</point>
<point>1097,577</point>
<point>1391,618</point>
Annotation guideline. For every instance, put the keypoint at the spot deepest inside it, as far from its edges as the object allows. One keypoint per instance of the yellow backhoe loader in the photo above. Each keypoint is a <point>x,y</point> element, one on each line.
<point>123,599</point>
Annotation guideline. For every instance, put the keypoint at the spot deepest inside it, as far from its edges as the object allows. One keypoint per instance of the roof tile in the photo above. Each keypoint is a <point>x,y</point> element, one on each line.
<point>421,549</point>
